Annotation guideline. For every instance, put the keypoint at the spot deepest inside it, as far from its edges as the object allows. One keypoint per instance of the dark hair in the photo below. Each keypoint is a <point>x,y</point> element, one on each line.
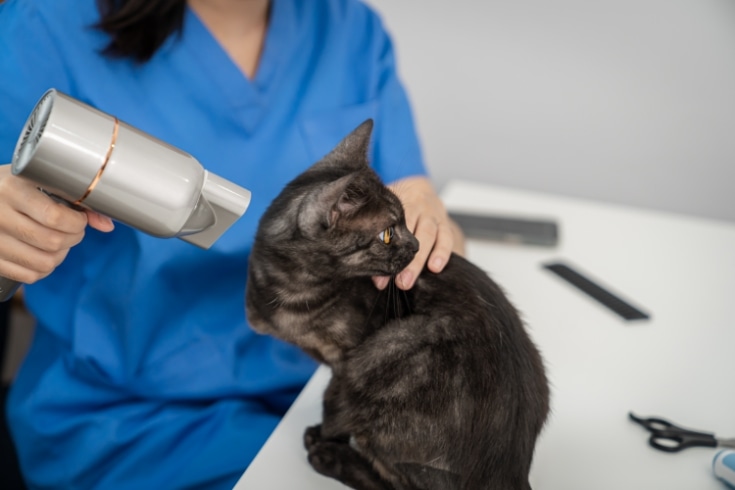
<point>139,27</point>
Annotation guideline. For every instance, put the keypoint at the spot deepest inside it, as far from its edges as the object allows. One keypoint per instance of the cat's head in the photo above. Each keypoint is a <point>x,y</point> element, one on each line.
<point>339,218</point>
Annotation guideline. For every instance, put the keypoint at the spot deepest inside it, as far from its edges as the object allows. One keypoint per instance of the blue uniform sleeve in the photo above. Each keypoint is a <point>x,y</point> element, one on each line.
<point>30,63</point>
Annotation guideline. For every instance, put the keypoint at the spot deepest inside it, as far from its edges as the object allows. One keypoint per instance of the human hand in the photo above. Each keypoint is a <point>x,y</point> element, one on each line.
<point>427,219</point>
<point>37,232</point>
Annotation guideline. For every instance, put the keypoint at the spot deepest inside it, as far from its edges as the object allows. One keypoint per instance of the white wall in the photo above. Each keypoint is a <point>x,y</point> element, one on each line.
<point>629,101</point>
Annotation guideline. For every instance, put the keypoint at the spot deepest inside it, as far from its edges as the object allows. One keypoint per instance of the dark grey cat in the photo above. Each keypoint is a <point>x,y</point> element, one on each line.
<point>438,387</point>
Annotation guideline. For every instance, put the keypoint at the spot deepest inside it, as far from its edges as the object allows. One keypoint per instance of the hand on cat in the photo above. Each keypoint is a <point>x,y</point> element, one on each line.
<point>36,232</point>
<point>427,218</point>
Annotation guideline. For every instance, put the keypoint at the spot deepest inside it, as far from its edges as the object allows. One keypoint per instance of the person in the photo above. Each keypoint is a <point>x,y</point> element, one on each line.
<point>143,372</point>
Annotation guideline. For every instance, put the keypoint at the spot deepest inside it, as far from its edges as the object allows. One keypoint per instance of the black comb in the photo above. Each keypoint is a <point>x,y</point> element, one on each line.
<point>608,299</point>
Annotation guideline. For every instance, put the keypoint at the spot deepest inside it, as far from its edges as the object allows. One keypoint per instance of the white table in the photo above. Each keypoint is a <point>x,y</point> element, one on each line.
<point>678,365</point>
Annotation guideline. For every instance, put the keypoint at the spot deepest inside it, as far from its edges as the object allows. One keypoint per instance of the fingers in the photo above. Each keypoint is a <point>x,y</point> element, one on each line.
<point>435,246</point>
<point>59,228</point>
<point>381,282</point>
<point>34,218</point>
<point>427,218</point>
<point>35,231</point>
<point>448,238</point>
<point>25,200</point>
<point>27,264</point>
<point>443,247</point>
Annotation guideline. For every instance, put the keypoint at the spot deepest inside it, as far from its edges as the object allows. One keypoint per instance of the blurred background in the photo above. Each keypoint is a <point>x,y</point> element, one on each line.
<point>625,101</point>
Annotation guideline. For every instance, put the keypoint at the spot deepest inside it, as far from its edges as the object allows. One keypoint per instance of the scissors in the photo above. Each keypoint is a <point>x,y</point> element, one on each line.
<point>668,437</point>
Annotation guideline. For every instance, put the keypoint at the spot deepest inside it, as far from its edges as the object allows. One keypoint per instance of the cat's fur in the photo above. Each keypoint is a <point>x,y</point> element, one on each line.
<point>438,387</point>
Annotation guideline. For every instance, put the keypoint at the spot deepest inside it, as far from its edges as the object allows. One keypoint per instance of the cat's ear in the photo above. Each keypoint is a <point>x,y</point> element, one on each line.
<point>357,143</point>
<point>321,208</point>
<point>352,151</point>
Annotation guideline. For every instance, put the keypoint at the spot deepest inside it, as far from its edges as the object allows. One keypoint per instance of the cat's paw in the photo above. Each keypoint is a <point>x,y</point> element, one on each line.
<point>312,436</point>
<point>326,457</point>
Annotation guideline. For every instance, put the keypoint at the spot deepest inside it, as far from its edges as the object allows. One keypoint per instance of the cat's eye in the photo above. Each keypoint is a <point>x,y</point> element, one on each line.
<point>386,235</point>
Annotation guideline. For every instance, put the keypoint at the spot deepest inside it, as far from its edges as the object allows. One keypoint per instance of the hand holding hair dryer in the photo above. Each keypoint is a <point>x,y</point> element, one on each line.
<point>87,158</point>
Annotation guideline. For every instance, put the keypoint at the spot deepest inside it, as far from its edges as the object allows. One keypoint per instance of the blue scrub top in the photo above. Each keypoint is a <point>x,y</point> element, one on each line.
<point>143,372</point>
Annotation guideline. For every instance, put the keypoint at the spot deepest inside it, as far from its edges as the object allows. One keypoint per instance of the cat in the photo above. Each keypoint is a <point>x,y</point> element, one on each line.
<point>438,387</point>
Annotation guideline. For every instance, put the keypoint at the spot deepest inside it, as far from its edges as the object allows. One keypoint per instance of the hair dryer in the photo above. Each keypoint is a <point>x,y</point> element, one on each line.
<point>86,158</point>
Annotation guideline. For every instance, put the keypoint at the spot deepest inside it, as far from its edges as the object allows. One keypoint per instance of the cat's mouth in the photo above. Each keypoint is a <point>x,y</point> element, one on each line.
<point>392,270</point>
<point>382,272</point>
<point>400,264</point>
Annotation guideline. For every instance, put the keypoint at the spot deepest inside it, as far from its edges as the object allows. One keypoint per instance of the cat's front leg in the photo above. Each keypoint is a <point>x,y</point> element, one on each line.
<point>336,459</point>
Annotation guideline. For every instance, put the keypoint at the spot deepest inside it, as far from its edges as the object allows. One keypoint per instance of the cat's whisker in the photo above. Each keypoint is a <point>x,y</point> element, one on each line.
<point>389,292</point>
<point>275,301</point>
<point>406,302</point>
<point>486,302</point>
<point>395,299</point>
<point>375,304</point>
<point>433,461</point>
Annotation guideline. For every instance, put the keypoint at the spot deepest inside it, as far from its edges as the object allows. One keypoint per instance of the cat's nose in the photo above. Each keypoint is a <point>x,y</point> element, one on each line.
<point>414,244</point>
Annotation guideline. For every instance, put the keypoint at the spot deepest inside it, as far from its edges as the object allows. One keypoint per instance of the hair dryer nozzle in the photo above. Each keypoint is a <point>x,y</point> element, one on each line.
<point>226,201</point>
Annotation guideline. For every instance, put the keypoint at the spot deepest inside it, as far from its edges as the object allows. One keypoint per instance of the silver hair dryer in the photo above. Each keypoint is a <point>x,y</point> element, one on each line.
<point>86,158</point>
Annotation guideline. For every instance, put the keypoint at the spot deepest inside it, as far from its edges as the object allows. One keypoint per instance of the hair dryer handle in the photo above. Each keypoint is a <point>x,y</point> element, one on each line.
<point>8,287</point>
